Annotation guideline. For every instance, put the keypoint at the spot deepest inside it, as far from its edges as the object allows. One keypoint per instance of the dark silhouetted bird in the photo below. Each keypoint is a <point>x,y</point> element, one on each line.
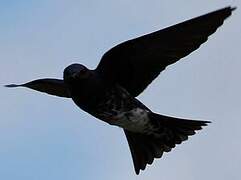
<point>109,92</point>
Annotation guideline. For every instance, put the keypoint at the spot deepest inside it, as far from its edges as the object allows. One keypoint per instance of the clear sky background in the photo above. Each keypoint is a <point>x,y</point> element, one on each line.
<point>48,138</point>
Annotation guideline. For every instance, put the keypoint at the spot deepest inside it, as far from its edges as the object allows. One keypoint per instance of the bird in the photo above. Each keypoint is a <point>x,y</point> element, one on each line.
<point>109,92</point>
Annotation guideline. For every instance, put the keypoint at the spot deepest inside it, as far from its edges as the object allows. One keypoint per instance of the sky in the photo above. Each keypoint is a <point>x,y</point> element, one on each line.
<point>46,138</point>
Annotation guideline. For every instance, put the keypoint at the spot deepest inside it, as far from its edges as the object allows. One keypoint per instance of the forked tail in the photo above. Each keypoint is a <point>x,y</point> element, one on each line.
<point>168,131</point>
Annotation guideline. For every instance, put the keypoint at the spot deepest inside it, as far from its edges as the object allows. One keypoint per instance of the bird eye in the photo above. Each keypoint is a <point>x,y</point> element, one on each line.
<point>83,71</point>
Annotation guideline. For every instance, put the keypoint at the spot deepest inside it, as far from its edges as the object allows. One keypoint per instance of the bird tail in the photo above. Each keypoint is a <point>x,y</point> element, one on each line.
<point>167,132</point>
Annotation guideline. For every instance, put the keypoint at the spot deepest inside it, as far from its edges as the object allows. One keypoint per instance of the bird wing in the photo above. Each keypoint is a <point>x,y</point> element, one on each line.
<point>54,87</point>
<point>134,64</point>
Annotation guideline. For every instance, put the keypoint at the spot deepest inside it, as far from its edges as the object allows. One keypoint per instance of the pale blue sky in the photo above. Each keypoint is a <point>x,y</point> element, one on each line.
<point>49,138</point>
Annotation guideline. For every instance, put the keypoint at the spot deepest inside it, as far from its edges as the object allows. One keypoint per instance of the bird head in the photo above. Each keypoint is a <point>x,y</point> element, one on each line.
<point>75,72</point>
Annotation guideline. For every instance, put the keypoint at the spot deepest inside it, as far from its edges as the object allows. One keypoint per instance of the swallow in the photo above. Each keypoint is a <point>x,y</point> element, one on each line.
<point>109,92</point>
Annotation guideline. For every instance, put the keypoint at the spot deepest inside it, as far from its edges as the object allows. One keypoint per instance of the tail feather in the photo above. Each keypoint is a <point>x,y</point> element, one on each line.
<point>165,134</point>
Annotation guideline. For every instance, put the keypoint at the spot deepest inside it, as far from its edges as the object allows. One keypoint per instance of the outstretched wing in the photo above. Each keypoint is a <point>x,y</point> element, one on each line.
<point>54,87</point>
<point>134,64</point>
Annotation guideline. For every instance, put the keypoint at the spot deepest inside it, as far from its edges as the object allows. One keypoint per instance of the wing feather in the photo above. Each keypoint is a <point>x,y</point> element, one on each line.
<point>134,64</point>
<point>54,87</point>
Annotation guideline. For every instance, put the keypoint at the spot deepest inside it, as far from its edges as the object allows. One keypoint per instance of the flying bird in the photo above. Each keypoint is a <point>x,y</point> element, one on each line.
<point>109,92</point>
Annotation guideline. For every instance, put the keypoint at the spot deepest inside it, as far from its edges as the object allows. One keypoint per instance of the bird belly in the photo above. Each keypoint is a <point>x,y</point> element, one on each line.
<point>117,107</point>
<point>135,120</point>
